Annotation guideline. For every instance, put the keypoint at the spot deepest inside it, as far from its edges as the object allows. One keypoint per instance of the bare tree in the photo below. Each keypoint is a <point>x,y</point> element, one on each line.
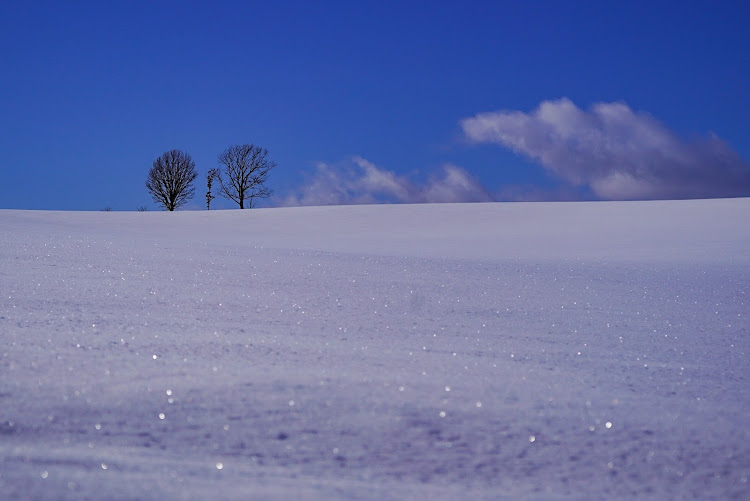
<point>170,180</point>
<point>246,168</point>
<point>210,176</point>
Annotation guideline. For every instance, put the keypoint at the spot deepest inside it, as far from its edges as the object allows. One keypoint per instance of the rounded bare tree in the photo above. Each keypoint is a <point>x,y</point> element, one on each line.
<point>170,180</point>
<point>246,169</point>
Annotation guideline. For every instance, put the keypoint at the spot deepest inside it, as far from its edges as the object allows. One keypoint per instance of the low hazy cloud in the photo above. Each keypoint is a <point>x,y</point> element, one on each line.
<point>362,182</point>
<point>614,151</point>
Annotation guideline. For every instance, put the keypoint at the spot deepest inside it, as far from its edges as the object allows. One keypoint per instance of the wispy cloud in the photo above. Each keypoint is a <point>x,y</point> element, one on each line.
<point>533,193</point>
<point>616,152</point>
<point>359,181</point>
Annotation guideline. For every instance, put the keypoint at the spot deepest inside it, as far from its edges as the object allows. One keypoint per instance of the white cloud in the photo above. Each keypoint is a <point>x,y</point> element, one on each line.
<point>533,193</point>
<point>359,181</point>
<point>453,185</point>
<point>618,153</point>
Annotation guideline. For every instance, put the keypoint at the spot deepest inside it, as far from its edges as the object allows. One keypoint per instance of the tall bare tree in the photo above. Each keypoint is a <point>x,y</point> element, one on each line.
<point>210,176</point>
<point>246,169</point>
<point>170,180</point>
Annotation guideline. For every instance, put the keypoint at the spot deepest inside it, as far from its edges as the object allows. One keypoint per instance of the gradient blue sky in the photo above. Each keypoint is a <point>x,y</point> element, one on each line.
<point>363,101</point>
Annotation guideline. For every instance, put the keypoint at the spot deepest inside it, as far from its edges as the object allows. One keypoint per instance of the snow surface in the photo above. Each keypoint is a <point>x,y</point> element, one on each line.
<point>478,351</point>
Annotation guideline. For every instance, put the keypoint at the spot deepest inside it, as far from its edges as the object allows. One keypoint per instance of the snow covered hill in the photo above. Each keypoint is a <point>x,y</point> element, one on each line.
<point>491,351</point>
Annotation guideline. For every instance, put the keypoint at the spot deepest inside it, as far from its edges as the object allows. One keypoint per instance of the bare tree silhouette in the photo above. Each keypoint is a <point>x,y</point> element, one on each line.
<point>246,169</point>
<point>170,180</point>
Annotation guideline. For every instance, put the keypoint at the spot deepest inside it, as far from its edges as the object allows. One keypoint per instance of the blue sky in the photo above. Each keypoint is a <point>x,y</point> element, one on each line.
<point>377,101</point>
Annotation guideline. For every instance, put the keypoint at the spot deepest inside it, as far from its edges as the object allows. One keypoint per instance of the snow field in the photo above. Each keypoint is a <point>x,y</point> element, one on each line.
<point>549,351</point>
